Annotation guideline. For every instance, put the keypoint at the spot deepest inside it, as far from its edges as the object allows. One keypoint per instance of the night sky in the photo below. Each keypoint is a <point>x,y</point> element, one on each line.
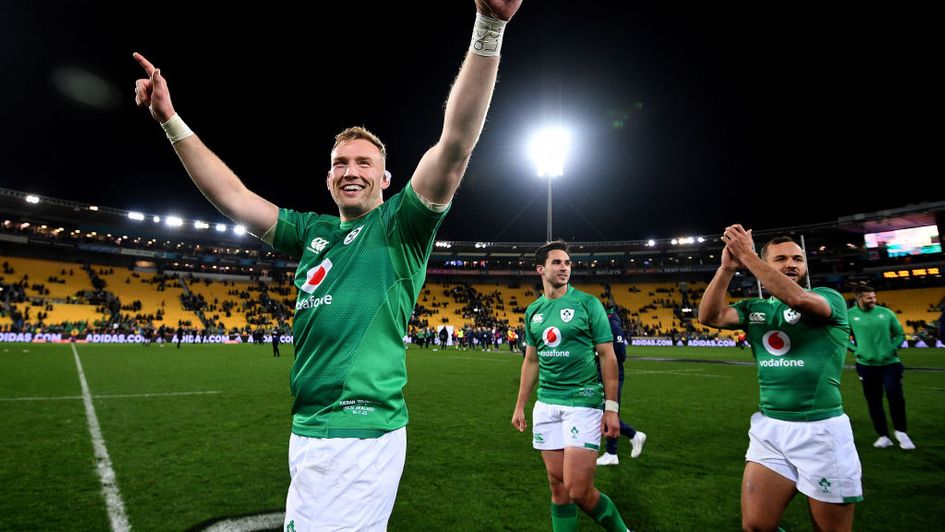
<point>684,118</point>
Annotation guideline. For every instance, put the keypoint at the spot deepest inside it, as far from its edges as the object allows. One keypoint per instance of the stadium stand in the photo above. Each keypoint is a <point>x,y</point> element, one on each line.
<point>152,276</point>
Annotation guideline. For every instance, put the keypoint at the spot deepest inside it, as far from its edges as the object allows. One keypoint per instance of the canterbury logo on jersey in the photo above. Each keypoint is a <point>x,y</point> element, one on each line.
<point>315,276</point>
<point>756,317</point>
<point>318,244</point>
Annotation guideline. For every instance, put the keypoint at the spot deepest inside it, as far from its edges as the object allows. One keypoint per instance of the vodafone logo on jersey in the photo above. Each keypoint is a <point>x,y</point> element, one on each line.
<point>778,343</point>
<point>551,337</point>
<point>315,276</point>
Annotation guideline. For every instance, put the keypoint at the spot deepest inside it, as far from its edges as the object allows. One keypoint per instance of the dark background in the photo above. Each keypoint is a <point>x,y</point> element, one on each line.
<point>684,118</point>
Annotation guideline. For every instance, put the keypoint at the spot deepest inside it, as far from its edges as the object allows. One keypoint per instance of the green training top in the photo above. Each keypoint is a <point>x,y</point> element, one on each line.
<point>878,335</point>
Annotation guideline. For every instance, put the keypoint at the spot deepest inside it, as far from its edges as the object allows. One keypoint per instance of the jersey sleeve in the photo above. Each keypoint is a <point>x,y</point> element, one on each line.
<point>743,308</point>
<point>415,225</point>
<point>529,336</point>
<point>895,328</point>
<point>290,232</point>
<point>838,305</point>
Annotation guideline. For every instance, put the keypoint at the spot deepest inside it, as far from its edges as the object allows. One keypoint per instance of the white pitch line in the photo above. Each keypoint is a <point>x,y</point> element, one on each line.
<point>484,359</point>
<point>116,507</point>
<point>683,372</point>
<point>41,398</point>
<point>131,395</point>
<point>166,394</point>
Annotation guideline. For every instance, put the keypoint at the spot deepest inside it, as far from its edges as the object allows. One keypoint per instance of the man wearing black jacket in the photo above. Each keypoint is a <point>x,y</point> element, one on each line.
<point>637,438</point>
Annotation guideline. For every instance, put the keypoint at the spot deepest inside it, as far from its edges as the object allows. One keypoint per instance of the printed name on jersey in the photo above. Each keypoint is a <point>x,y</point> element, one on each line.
<point>757,317</point>
<point>538,318</point>
<point>792,316</point>
<point>315,276</point>
<point>353,234</point>
<point>359,407</point>
<point>567,314</point>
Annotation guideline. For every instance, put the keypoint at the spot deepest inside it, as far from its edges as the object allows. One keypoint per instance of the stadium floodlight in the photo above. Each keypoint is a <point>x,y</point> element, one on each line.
<point>93,208</point>
<point>157,219</point>
<point>201,225</point>
<point>136,215</point>
<point>701,239</point>
<point>548,149</point>
<point>221,227</point>
<point>674,241</point>
<point>651,243</point>
<point>173,221</point>
<point>32,199</point>
<point>239,230</point>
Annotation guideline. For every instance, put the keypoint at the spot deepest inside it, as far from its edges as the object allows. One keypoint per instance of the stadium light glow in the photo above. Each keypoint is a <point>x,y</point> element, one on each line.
<point>32,199</point>
<point>93,208</point>
<point>221,228</point>
<point>201,225</point>
<point>651,243</point>
<point>548,149</point>
<point>173,221</point>
<point>157,219</point>
<point>674,241</point>
<point>239,229</point>
<point>136,215</point>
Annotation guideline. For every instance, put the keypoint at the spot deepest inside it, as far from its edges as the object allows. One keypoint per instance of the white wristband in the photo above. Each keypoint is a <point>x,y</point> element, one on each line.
<point>176,129</point>
<point>487,36</point>
<point>611,406</point>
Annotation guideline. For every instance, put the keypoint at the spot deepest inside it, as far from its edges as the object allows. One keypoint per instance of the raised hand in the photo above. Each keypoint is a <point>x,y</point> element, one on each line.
<point>152,92</point>
<point>498,9</point>
<point>738,242</point>
<point>729,262</point>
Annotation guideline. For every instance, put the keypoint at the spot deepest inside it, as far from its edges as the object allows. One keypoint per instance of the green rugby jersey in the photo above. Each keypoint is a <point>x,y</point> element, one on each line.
<point>878,335</point>
<point>357,285</point>
<point>799,358</point>
<point>565,332</point>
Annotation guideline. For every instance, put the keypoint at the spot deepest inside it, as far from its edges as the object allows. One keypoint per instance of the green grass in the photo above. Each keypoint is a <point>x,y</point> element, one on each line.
<point>182,460</point>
